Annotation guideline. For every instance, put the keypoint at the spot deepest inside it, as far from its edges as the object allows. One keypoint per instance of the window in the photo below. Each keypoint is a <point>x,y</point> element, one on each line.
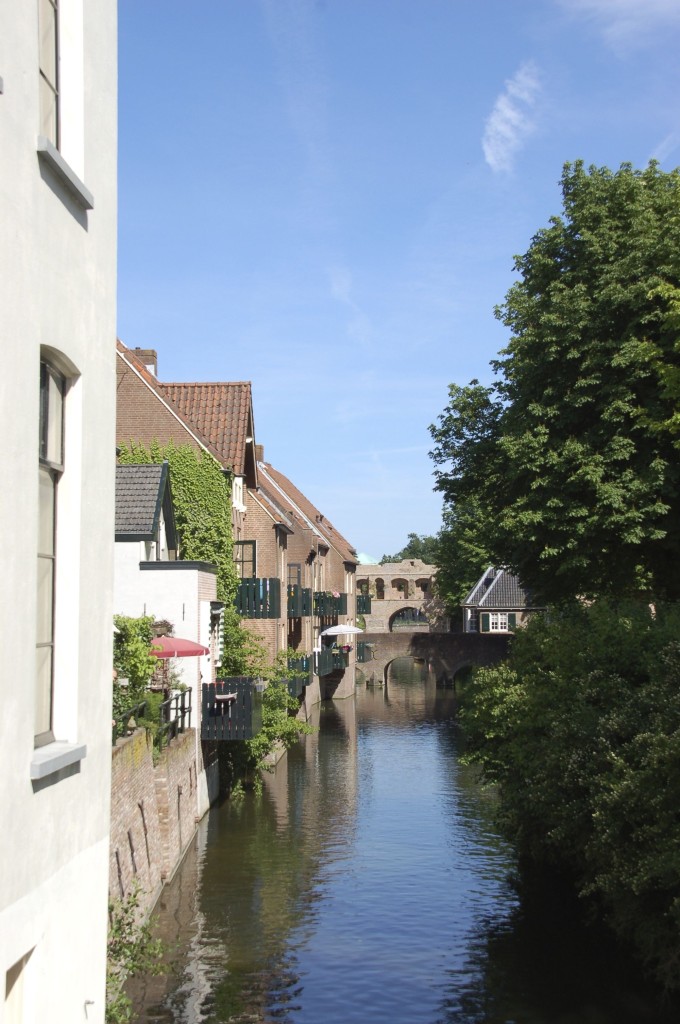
<point>49,70</point>
<point>498,622</point>
<point>294,574</point>
<point>50,468</point>
<point>244,557</point>
<point>237,494</point>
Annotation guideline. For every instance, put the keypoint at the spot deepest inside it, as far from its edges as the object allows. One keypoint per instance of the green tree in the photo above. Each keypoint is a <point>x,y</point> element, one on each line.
<point>417,546</point>
<point>570,456</point>
<point>580,732</point>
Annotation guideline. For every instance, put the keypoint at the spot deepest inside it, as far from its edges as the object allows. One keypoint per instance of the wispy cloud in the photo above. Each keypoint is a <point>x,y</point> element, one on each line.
<point>359,325</point>
<point>511,122</point>
<point>667,146</point>
<point>626,23</point>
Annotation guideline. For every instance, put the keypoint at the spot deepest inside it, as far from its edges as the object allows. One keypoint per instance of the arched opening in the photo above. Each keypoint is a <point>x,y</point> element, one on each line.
<point>380,589</point>
<point>406,670</point>
<point>399,589</point>
<point>411,619</point>
<point>462,676</point>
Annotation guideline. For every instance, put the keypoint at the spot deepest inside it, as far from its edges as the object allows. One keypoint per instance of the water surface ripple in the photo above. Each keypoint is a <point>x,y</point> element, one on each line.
<point>368,884</point>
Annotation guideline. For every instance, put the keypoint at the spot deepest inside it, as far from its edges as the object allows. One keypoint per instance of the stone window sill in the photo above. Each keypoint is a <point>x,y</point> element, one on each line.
<point>50,155</point>
<point>54,756</point>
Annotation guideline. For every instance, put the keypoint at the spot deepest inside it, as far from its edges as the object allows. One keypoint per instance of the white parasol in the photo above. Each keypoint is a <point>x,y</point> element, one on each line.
<point>340,630</point>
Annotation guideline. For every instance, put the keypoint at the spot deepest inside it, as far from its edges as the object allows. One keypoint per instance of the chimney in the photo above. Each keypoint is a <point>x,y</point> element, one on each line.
<point>259,452</point>
<point>148,357</point>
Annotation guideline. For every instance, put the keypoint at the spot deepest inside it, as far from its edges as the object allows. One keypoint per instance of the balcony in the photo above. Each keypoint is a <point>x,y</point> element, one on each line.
<point>299,601</point>
<point>297,683</point>
<point>363,604</point>
<point>231,709</point>
<point>328,660</point>
<point>328,606</point>
<point>364,651</point>
<point>259,598</point>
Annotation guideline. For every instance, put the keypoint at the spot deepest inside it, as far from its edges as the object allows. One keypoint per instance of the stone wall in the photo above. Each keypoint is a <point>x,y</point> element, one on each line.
<point>153,812</point>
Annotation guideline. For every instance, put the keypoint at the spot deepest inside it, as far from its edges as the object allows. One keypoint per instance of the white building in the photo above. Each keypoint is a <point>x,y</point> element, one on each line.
<point>57,411</point>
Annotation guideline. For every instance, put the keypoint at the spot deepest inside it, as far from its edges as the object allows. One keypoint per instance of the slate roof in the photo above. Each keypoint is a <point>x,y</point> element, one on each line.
<point>499,589</point>
<point>223,412</point>
<point>139,499</point>
<point>318,522</point>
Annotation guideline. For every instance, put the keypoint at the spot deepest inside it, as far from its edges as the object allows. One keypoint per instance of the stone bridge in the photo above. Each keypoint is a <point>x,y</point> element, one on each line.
<point>445,654</point>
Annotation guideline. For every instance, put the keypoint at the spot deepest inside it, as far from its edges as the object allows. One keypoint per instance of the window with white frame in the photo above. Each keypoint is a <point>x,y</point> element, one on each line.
<point>48,21</point>
<point>238,494</point>
<point>50,469</point>
<point>498,622</point>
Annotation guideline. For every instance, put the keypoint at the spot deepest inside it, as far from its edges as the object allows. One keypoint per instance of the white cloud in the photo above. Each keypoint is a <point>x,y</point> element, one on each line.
<point>510,122</point>
<point>626,23</point>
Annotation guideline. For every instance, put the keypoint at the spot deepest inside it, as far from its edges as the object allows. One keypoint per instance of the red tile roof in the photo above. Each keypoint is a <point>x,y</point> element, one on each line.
<point>223,412</point>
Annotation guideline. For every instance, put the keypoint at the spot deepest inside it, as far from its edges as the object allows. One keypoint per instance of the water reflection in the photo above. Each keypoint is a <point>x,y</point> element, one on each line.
<point>368,883</point>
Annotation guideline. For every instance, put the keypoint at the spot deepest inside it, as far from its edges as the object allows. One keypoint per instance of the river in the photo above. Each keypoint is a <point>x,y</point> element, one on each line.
<point>368,884</point>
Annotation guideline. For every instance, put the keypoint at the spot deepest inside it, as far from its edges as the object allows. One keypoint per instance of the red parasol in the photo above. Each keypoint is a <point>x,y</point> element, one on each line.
<point>175,647</point>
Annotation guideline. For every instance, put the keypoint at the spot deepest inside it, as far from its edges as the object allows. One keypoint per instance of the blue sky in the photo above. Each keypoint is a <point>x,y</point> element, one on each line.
<point>324,197</point>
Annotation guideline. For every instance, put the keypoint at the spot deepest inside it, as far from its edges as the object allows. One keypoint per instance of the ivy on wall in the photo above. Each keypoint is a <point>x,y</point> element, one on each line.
<point>201,494</point>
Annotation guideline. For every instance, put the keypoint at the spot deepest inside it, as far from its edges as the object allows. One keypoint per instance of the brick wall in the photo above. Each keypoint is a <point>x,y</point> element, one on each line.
<point>141,416</point>
<point>153,812</point>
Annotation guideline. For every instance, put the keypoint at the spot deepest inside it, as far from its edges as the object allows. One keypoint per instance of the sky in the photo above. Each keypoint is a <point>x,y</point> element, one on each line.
<point>325,197</point>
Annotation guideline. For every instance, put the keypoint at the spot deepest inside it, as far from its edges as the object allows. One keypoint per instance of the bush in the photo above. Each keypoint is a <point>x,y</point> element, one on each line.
<point>580,730</point>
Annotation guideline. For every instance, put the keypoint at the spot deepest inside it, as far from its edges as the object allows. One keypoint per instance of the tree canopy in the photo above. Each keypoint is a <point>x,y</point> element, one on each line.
<point>565,468</point>
<point>417,546</point>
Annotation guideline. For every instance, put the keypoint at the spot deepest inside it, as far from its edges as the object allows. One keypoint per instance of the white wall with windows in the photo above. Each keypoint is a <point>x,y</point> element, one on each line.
<point>57,413</point>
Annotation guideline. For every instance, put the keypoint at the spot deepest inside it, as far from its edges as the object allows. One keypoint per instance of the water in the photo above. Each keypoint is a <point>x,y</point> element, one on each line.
<point>369,884</point>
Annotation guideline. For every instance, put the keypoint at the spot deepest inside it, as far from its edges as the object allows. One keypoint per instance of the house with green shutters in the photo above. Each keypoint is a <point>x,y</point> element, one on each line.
<point>498,603</point>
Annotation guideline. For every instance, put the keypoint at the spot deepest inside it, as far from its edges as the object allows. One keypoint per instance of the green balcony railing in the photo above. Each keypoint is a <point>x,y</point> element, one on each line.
<point>299,601</point>
<point>259,598</point>
<point>363,604</point>
<point>328,660</point>
<point>231,709</point>
<point>297,683</point>
<point>364,651</point>
<point>323,662</point>
<point>328,606</point>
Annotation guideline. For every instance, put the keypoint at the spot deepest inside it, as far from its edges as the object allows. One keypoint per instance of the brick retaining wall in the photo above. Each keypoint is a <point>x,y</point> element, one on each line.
<point>153,812</point>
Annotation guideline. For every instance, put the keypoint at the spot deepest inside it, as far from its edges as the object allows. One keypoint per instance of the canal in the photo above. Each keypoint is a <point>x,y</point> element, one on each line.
<point>368,884</point>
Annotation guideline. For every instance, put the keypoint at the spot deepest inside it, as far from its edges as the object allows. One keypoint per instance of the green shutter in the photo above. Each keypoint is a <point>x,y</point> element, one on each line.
<point>512,620</point>
<point>485,622</point>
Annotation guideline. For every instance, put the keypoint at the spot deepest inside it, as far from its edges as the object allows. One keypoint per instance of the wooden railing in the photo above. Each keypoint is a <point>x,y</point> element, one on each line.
<point>259,598</point>
<point>231,709</point>
<point>297,683</point>
<point>299,601</point>
<point>328,606</point>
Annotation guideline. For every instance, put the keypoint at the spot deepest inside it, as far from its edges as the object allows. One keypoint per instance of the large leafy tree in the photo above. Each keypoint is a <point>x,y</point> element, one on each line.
<point>417,546</point>
<point>570,458</point>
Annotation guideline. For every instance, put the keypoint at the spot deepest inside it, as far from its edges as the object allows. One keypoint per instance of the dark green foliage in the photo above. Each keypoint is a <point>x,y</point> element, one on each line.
<point>417,546</point>
<point>580,730</point>
<point>202,501</point>
<point>566,469</point>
